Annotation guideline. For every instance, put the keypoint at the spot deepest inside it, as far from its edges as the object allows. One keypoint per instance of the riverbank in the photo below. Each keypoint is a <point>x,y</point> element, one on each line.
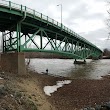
<point>26,92</point>
<point>79,93</point>
<point>22,93</point>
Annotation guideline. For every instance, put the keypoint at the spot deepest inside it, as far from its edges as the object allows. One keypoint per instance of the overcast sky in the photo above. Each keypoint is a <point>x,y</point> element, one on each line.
<point>86,17</point>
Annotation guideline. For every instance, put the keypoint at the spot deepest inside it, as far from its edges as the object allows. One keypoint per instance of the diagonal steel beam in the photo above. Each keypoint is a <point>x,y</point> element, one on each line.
<point>46,45</point>
<point>33,42</point>
<point>30,38</point>
<point>48,39</point>
<point>62,42</point>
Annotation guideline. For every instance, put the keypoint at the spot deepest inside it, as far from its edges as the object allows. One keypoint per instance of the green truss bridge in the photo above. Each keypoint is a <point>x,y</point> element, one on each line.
<point>26,30</point>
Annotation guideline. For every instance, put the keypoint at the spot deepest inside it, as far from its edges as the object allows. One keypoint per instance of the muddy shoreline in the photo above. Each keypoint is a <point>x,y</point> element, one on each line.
<point>78,94</point>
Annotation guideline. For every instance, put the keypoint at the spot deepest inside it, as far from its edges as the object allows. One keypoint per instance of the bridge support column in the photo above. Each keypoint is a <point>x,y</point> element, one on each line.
<point>13,63</point>
<point>84,61</point>
<point>75,61</point>
<point>80,62</point>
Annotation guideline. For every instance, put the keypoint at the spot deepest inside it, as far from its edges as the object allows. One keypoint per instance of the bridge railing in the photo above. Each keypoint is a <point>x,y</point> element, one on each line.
<point>12,5</point>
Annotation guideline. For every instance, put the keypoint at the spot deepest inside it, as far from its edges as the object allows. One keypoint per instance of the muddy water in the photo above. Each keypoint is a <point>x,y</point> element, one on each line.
<point>65,67</point>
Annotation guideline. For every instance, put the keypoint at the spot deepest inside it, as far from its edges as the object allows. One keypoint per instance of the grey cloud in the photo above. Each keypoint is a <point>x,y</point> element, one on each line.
<point>96,36</point>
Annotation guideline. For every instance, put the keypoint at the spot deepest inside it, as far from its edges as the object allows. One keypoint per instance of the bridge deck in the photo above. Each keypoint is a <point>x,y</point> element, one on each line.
<point>11,13</point>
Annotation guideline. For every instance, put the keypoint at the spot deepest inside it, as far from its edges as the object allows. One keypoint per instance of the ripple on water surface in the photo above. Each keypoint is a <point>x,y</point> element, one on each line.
<point>65,67</point>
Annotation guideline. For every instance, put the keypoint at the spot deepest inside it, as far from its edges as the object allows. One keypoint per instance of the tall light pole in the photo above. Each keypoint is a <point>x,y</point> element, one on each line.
<point>61,13</point>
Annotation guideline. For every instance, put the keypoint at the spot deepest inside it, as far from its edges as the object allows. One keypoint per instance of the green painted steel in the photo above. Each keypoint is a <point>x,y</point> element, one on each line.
<point>26,30</point>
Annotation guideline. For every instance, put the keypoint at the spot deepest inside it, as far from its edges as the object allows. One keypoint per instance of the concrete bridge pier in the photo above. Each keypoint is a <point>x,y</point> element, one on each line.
<point>80,62</point>
<point>13,63</point>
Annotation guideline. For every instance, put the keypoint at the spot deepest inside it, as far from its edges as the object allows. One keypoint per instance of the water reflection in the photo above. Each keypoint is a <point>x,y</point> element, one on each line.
<point>81,71</point>
<point>65,67</point>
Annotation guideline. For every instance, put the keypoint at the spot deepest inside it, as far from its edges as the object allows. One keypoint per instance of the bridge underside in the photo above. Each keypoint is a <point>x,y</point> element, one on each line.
<point>44,40</point>
<point>25,30</point>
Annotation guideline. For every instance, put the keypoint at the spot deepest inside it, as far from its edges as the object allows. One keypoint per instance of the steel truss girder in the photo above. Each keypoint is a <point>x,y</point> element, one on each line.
<point>8,41</point>
<point>12,41</point>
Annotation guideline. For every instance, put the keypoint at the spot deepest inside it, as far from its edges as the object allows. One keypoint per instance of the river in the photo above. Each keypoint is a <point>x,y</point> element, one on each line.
<point>93,69</point>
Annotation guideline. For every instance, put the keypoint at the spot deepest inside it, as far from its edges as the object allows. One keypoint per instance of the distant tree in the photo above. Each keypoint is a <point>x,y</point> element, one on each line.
<point>108,20</point>
<point>106,52</point>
